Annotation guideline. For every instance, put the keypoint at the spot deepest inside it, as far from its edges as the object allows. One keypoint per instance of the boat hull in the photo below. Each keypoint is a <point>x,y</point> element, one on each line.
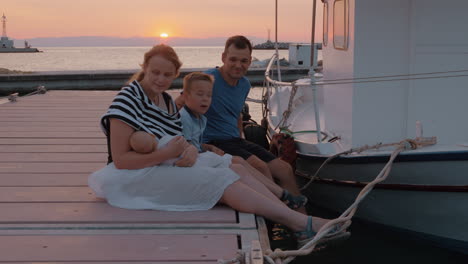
<point>427,198</point>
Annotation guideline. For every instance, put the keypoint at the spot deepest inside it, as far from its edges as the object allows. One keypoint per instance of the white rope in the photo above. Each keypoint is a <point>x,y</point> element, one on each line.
<point>394,76</point>
<point>239,258</point>
<point>283,123</point>
<point>288,256</point>
<point>14,96</point>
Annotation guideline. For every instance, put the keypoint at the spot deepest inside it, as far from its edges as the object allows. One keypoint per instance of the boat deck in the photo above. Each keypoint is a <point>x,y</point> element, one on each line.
<point>49,144</point>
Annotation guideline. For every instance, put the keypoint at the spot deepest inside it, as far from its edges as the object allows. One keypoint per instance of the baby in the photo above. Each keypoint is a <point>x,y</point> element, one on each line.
<point>142,142</point>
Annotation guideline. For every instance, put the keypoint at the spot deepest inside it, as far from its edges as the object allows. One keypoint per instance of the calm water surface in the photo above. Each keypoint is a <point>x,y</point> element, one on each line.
<point>111,58</point>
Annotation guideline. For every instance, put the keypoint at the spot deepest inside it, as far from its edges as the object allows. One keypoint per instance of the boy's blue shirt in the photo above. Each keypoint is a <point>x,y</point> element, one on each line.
<point>192,127</point>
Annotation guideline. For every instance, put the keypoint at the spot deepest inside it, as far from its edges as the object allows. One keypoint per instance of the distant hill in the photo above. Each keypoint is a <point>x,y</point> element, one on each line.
<point>98,41</point>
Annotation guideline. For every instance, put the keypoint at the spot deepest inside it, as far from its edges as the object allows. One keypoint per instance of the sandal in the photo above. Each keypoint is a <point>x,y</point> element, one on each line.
<point>293,202</point>
<point>336,235</point>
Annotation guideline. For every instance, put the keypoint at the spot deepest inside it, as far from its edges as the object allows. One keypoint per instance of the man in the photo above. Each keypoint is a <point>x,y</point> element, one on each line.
<point>224,126</point>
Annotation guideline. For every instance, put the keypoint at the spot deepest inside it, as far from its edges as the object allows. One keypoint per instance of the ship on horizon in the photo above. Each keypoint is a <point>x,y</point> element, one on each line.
<point>7,45</point>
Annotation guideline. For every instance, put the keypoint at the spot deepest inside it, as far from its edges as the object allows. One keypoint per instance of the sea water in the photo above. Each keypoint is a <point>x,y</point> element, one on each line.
<point>113,58</point>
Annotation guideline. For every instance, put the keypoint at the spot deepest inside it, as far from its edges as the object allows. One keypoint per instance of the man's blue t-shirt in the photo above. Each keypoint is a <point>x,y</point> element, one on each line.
<point>226,106</point>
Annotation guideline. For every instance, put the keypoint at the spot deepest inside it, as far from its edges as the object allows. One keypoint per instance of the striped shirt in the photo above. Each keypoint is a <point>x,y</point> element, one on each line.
<point>133,107</point>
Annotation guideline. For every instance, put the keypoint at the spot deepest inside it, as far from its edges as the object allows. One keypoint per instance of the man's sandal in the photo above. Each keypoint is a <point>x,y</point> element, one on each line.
<point>293,202</point>
<point>337,235</point>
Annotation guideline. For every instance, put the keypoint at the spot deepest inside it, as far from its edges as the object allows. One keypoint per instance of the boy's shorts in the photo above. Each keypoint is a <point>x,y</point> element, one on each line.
<point>243,148</point>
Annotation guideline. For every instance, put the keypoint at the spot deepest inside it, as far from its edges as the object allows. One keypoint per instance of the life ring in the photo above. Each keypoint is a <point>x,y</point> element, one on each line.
<point>282,145</point>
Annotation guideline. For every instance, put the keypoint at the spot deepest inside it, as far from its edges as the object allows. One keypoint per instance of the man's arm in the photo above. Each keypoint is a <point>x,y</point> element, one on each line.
<point>240,126</point>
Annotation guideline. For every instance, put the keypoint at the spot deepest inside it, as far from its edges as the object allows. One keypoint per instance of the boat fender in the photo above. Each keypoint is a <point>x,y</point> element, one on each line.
<point>283,146</point>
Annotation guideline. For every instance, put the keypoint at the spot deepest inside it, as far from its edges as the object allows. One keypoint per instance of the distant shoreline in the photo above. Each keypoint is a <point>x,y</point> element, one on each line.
<point>108,80</point>
<point>269,45</point>
<point>7,71</point>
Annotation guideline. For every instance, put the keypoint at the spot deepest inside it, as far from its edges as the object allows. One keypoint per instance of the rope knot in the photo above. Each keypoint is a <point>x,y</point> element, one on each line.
<point>409,144</point>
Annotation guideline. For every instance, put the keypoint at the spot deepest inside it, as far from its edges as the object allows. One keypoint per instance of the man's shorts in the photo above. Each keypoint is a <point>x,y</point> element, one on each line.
<point>243,148</point>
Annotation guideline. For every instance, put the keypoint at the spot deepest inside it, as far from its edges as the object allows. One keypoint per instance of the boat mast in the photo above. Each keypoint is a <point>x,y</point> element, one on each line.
<point>312,76</point>
<point>276,41</point>
<point>4,20</point>
<point>312,40</point>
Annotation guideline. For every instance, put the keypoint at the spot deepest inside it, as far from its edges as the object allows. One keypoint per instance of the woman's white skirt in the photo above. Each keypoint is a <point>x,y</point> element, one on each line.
<point>163,187</point>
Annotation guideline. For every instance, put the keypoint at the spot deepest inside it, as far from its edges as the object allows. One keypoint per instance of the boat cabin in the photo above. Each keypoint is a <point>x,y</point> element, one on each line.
<point>419,51</point>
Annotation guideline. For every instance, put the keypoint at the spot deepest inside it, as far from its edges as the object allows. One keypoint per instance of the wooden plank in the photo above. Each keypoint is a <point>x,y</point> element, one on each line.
<point>95,128</point>
<point>66,99</point>
<point>52,141</point>
<point>43,179</point>
<point>50,167</point>
<point>102,106</point>
<point>50,119</point>
<point>53,113</point>
<point>116,248</point>
<point>53,148</point>
<point>34,134</point>
<point>256,253</point>
<point>63,101</point>
<point>58,93</point>
<point>55,213</point>
<point>56,134</point>
<point>47,194</point>
<point>263,234</point>
<point>98,109</point>
<point>53,157</point>
<point>33,124</point>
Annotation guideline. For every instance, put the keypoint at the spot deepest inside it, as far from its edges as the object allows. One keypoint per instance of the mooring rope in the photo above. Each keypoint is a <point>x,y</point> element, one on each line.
<point>39,90</point>
<point>284,120</point>
<point>239,258</point>
<point>284,257</point>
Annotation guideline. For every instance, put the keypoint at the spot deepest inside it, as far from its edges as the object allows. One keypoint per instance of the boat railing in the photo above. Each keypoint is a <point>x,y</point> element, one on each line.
<point>294,86</point>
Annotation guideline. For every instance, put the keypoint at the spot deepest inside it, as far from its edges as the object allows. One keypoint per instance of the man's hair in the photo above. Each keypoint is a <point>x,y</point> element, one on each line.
<point>239,42</point>
<point>196,76</point>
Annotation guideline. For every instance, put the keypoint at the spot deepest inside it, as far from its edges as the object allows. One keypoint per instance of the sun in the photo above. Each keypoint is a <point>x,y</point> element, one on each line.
<point>164,35</point>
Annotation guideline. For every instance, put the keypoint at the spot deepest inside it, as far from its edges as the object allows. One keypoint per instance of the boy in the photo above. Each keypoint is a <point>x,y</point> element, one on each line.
<point>198,88</point>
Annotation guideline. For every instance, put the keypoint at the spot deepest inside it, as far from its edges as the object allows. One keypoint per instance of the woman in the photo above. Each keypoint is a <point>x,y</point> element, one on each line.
<point>137,181</point>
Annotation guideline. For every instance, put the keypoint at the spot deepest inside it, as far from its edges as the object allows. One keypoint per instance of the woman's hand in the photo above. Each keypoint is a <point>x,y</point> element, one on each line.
<point>214,149</point>
<point>188,157</point>
<point>176,146</point>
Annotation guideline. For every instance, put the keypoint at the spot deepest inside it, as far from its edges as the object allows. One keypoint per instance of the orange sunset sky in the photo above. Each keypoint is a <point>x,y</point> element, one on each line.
<point>150,18</point>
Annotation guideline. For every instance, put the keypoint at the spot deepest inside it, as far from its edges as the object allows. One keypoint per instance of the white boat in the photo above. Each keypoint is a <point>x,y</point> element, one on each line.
<point>393,70</point>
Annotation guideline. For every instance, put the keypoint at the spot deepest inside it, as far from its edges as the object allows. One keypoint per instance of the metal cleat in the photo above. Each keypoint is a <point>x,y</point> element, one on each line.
<point>41,89</point>
<point>13,97</point>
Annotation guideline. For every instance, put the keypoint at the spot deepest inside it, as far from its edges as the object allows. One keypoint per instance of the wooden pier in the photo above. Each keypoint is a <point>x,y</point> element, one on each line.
<point>49,144</point>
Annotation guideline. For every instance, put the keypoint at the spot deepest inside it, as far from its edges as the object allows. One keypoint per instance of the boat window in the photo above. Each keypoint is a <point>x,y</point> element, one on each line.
<point>340,24</point>
<point>325,24</point>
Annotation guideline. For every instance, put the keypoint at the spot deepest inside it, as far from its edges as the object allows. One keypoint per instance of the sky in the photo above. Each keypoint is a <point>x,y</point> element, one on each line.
<point>150,18</point>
